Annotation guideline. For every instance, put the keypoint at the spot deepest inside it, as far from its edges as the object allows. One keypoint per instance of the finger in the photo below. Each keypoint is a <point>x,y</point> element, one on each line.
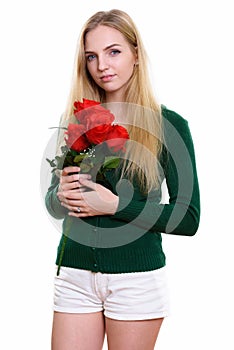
<point>78,209</point>
<point>71,208</point>
<point>70,169</point>
<point>88,183</point>
<point>60,198</point>
<point>75,203</point>
<point>85,176</point>
<point>74,180</point>
<point>71,177</point>
<point>69,195</point>
<point>82,189</point>
<point>69,186</point>
<point>78,215</point>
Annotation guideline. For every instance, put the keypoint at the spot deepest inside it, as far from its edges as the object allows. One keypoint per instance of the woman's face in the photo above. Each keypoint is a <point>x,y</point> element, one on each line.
<point>109,60</point>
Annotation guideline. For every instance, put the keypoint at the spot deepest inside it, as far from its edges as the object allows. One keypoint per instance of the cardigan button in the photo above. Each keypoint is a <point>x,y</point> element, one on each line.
<point>95,265</point>
<point>93,248</point>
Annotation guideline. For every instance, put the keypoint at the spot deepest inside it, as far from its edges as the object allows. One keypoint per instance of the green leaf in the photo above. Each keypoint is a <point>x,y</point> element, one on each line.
<point>64,149</point>
<point>79,158</point>
<point>73,152</point>
<point>111,163</point>
<point>85,168</point>
<point>51,162</point>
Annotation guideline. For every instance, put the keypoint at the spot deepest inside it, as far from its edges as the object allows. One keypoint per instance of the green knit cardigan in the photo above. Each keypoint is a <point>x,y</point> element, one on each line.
<point>131,239</point>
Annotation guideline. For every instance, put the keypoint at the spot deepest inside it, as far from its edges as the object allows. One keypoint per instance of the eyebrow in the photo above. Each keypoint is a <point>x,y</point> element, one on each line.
<point>106,48</point>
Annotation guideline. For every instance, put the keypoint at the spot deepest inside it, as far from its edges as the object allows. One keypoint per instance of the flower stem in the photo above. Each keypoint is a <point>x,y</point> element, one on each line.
<point>65,236</point>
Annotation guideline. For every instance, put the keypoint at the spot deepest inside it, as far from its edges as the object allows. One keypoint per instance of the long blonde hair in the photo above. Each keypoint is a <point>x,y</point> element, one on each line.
<point>145,126</point>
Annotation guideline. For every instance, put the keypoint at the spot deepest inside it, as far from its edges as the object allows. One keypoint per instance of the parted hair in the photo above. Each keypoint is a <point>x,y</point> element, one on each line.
<point>143,113</point>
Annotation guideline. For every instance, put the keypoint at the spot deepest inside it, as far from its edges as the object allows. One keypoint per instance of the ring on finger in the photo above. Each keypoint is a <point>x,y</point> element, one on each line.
<point>78,209</point>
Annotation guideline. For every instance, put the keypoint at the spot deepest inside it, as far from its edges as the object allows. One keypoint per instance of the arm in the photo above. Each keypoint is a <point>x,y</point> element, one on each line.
<point>182,214</point>
<point>69,192</point>
<point>52,202</point>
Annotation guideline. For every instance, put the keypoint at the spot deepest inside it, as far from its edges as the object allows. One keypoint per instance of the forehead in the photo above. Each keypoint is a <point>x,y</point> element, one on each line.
<point>103,36</point>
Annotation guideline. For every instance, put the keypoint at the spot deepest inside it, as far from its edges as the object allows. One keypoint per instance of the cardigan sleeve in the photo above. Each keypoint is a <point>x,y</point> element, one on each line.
<point>181,215</point>
<point>52,202</point>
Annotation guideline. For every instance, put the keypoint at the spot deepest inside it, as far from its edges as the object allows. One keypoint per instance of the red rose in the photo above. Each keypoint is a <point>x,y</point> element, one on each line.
<point>98,134</point>
<point>117,137</point>
<point>98,115</point>
<point>91,114</point>
<point>76,139</point>
<point>79,106</point>
<point>80,109</point>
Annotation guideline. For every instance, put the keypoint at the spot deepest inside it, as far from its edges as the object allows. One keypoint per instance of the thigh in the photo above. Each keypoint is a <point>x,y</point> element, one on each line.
<point>74,292</point>
<point>137,296</point>
<point>78,331</point>
<point>132,335</point>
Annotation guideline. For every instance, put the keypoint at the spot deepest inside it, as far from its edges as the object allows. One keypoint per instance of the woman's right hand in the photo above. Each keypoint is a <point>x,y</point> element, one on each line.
<point>69,181</point>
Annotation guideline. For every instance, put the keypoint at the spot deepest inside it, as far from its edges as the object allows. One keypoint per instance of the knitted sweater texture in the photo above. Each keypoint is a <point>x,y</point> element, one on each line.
<point>131,239</point>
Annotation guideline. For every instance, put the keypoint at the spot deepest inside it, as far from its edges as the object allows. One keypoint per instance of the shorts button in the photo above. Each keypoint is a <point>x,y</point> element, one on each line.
<point>95,229</point>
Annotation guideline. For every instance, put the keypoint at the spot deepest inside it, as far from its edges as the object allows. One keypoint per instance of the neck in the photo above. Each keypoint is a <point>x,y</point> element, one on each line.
<point>116,96</point>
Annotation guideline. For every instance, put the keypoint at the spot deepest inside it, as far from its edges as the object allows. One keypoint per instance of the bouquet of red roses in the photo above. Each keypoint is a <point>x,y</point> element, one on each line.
<point>94,143</point>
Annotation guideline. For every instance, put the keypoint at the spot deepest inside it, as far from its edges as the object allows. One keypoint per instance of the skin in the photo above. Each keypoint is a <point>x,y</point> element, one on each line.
<point>110,62</point>
<point>72,195</point>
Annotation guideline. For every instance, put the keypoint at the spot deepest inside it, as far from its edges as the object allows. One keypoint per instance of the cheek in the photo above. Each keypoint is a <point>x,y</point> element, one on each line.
<point>90,69</point>
<point>128,69</point>
<point>129,63</point>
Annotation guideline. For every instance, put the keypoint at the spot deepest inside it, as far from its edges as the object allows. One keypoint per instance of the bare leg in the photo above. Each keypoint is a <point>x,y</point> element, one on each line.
<point>132,335</point>
<point>78,331</point>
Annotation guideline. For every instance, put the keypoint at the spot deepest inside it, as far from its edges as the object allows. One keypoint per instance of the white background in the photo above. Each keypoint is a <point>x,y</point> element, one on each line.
<point>190,45</point>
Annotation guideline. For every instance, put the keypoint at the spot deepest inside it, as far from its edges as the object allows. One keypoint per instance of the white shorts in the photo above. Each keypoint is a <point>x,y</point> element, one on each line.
<point>122,296</point>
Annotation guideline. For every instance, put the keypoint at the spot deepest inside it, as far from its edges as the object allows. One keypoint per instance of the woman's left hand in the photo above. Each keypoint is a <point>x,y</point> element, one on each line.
<point>98,201</point>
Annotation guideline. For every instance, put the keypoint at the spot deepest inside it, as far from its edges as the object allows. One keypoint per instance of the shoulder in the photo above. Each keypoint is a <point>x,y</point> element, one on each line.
<point>174,125</point>
<point>173,120</point>
<point>173,117</point>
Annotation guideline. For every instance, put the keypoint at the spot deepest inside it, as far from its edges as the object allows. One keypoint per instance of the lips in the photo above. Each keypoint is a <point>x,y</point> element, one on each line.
<point>107,77</point>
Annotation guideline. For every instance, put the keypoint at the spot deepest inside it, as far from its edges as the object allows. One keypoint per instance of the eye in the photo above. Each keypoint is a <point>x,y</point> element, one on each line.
<point>114,52</point>
<point>90,58</point>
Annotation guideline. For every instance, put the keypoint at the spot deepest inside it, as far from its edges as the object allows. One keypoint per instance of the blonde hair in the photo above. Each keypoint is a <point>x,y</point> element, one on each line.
<point>145,127</point>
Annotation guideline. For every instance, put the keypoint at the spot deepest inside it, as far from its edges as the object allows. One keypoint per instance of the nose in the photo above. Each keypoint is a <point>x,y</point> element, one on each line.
<point>102,63</point>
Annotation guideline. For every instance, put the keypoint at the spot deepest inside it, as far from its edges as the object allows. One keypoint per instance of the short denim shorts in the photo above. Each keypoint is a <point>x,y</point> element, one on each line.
<point>122,296</point>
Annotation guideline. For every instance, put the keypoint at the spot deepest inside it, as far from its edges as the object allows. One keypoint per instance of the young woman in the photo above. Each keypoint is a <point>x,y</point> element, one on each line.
<point>112,278</point>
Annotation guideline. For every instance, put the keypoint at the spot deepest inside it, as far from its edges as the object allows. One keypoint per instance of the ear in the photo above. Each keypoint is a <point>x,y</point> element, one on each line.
<point>136,49</point>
